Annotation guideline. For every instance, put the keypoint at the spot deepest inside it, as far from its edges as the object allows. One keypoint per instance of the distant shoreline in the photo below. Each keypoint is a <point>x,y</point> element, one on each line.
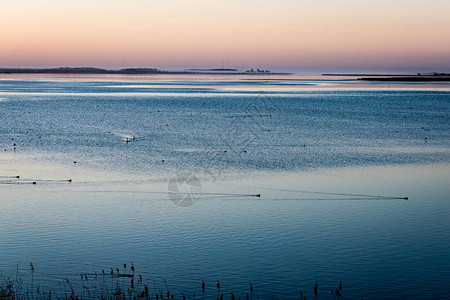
<point>363,74</point>
<point>131,71</point>
<point>397,77</point>
<point>424,78</point>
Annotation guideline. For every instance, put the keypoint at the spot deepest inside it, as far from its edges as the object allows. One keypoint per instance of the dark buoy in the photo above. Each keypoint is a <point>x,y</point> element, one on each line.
<point>34,182</point>
<point>405,198</point>
<point>70,180</point>
<point>258,195</point>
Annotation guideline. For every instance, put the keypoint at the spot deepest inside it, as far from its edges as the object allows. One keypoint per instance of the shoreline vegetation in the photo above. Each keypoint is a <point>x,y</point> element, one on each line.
<point>136,71</point>
<point>126,283</point>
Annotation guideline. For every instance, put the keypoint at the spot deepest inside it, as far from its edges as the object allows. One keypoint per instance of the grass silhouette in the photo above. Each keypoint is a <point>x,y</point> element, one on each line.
<point>123,283</point>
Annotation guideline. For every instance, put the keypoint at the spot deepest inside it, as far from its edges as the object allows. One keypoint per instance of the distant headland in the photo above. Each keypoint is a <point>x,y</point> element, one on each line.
<point>135,71</point>
<point>419,77</point>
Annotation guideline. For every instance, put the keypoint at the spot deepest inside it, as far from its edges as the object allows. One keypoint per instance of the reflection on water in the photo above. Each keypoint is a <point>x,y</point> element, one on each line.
<point>331,168</point>
<point>280,242</point>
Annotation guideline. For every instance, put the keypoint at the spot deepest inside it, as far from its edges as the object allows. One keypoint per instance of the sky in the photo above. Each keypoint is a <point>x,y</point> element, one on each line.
<point>290,35</point>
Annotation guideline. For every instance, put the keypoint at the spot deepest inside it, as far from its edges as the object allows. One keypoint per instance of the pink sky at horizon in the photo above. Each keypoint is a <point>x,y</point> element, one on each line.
<point>321,35</point>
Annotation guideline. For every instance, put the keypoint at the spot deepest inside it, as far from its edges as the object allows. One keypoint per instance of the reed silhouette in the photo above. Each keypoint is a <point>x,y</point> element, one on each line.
<point>116,284</point>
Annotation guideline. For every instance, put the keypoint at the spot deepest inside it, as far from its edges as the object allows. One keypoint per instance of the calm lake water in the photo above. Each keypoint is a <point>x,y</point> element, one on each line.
<point>331,158</point>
